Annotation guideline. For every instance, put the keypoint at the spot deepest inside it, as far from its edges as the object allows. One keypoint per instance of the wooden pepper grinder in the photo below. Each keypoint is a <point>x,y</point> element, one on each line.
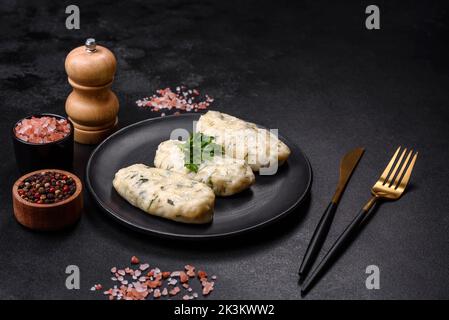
<point>91,106</point>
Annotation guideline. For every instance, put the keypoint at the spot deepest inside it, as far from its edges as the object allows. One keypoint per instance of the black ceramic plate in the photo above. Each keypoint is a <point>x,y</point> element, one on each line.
<point>270,198</point>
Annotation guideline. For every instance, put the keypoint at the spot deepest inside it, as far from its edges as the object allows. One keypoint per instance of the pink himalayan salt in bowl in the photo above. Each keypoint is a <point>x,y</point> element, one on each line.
<point>43,129</point>
<point>43,141</point>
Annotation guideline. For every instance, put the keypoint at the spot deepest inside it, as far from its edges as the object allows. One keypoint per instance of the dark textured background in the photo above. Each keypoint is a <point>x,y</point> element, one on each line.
<point>310,69</point>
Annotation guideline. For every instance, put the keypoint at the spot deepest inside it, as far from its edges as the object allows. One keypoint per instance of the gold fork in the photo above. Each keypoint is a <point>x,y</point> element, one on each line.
<point>392,183</point>
<point>390,186</point>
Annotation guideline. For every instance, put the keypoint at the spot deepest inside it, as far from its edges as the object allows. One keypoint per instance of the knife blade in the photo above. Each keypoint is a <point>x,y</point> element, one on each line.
<point>347,165</point>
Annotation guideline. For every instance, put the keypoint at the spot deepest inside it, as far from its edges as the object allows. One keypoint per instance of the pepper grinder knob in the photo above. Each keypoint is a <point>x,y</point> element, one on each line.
<point>91,106</point>
<point>91,45</point>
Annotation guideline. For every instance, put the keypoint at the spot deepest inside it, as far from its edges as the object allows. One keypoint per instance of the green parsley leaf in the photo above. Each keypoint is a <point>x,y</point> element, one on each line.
<point>199,148</point>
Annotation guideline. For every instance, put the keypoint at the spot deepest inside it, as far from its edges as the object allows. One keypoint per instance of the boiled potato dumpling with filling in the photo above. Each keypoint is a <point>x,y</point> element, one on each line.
<point>225,175</point>
<point>244,140</point>
<point>165,193</point>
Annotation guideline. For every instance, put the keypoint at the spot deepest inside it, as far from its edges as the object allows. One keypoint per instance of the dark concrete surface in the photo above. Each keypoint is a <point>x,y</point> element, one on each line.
<point>309,68</point>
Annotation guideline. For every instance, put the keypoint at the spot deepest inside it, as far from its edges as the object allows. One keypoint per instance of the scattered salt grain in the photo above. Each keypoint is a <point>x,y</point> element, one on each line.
<point>155,283</point>
<point>174,291</point>
<point>135,260</point>
<point>182,99</point>
<point>144,266</point>
<point>172,282</point>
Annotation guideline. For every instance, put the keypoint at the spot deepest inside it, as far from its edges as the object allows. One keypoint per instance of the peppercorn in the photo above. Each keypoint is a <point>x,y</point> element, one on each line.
<point>46,187</point>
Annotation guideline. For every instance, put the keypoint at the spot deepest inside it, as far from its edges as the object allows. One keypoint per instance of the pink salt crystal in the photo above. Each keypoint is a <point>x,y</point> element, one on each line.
<point>174,291</point>
<point>144,266</point>
<point>157,293</point>
<point>207,290</point>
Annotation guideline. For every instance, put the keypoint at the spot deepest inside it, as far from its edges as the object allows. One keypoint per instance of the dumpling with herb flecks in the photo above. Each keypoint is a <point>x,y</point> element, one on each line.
<point>165,193</point>
<point>225,175</point>
<point>259,147</point>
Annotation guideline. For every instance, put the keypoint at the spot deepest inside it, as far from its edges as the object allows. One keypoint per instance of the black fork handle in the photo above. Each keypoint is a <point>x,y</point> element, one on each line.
<point>317,240</point>
<point>337,248</point>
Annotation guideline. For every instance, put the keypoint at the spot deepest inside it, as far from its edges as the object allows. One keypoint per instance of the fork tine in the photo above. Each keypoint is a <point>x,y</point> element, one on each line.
<point>384,175</point>
<point>396,167</point>
<point>396,182</point>
<point>408,173</point>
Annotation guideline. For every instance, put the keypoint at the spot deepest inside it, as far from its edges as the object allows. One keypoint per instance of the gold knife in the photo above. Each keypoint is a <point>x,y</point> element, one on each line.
<point>347,166</point>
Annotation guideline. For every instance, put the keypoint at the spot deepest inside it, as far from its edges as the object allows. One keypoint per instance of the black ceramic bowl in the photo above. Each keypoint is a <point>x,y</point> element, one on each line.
<point>36,156</point>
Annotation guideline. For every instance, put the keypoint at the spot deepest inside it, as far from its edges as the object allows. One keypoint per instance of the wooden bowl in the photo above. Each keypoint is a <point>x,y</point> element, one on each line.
<point>53,216</point>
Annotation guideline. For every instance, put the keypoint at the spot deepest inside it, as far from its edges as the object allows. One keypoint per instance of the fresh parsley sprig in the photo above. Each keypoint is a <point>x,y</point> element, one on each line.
<point>199,148</point>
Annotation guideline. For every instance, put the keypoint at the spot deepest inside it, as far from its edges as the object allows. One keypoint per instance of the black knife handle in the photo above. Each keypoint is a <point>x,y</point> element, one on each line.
<point>318,237</point>
<point>336,249</point>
